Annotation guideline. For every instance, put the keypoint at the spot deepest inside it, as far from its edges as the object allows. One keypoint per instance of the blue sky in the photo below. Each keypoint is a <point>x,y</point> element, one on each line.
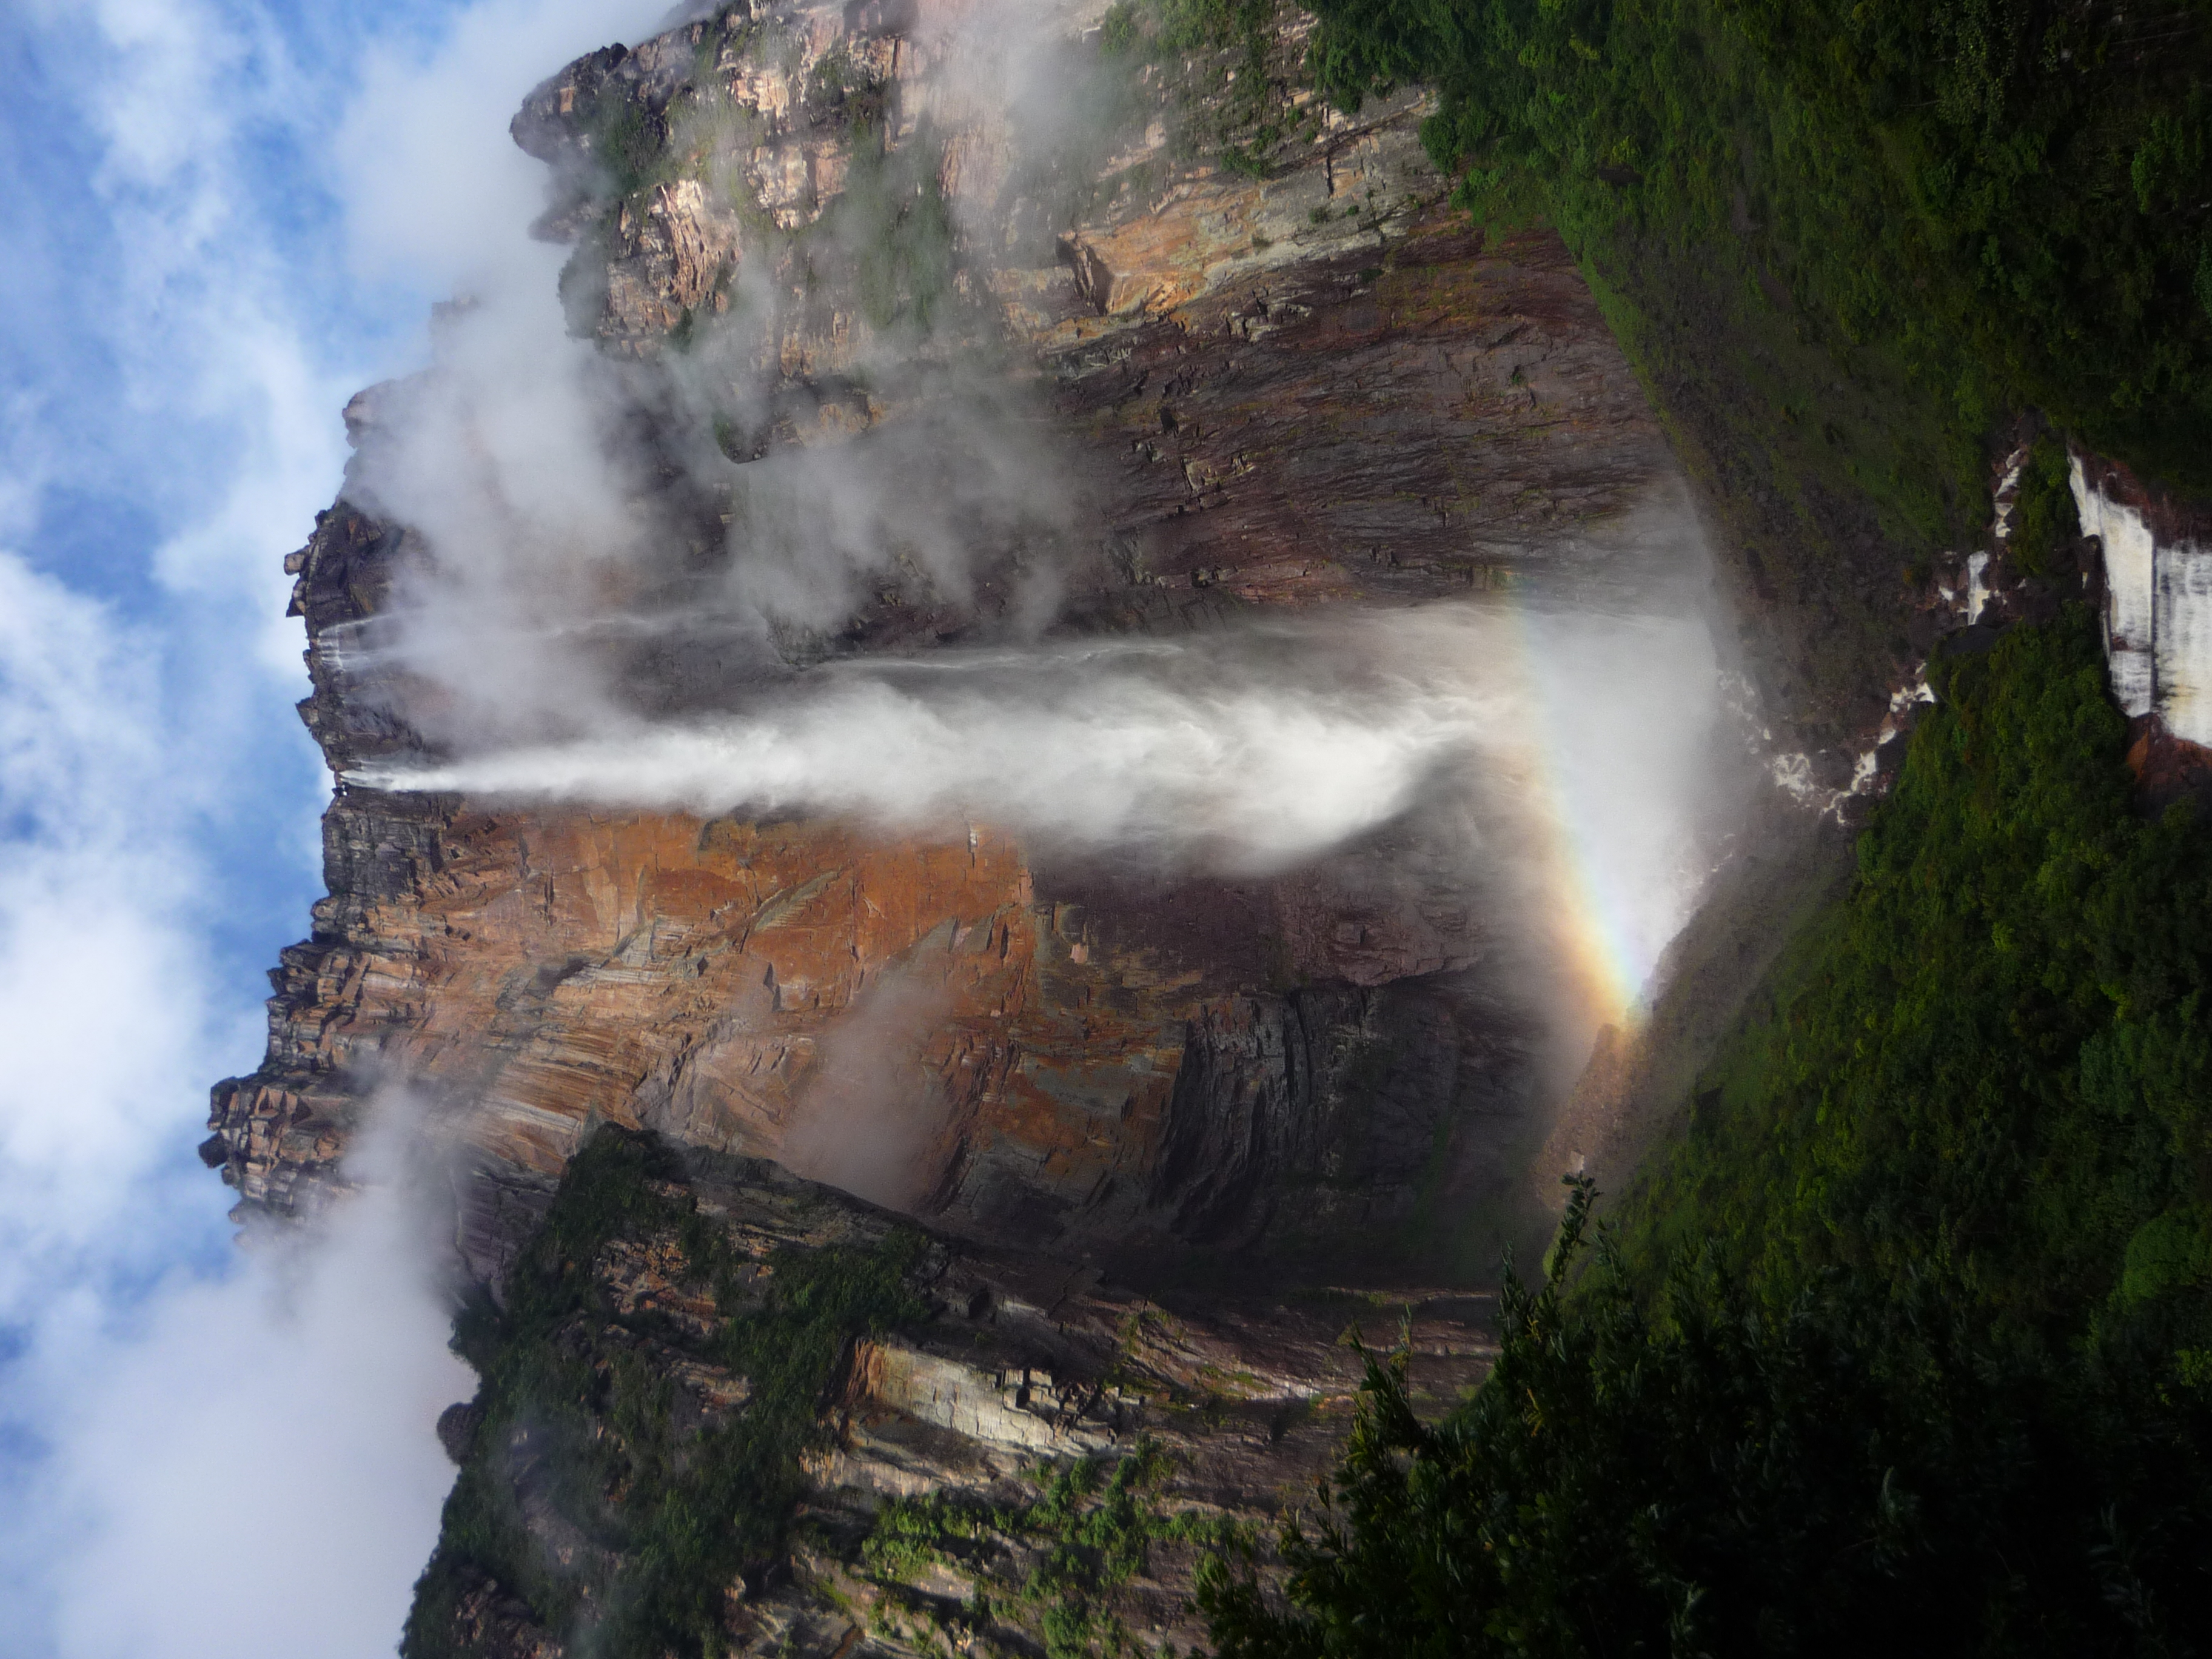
<point>222,219</point>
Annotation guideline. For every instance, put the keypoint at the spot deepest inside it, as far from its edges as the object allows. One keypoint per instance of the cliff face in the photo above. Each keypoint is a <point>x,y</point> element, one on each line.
<point>1300,383</point>
<point>1298,377</point>
<point>983,1448</point>
<point>806,1164</point>
<point>1058,1072</point>
<point>1252,362</point>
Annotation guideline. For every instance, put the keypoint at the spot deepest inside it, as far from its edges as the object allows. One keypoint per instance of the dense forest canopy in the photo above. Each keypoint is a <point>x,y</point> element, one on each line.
<point>2009,198</point>
<point>1907,1338</point>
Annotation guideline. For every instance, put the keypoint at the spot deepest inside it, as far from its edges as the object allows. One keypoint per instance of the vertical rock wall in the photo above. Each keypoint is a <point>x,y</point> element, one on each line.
<point>2157,597</point>
<point>1298,381</point>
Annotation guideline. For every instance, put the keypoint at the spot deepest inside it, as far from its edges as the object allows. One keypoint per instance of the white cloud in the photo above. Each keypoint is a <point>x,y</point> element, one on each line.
<point>251,1470</point>
<point>188,1402</point>
<point>114,1023</point>
<point>435,190</point>
<point>101,992</point>
<point>202,1452</point>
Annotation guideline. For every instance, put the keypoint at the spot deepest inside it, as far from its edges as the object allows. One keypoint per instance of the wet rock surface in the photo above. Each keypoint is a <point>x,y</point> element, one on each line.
<point>1082,1077</point>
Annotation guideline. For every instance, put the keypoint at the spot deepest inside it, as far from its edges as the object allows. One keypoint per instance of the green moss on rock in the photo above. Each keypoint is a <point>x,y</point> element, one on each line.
<point>578,1442</point>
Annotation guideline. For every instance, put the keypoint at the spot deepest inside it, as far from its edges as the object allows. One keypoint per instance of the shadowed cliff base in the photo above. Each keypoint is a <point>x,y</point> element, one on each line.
<point>902,1441</point>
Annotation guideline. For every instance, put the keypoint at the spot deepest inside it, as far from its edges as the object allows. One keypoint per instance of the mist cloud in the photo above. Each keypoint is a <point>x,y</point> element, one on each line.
<point>1246,750</point>
<point>1191,749</point>
<point>202,1452</point>
<point>610,582</point>
<point>873,1110</point>
<point>251,1470</point>
<point>168,1412</point>
<point>744,490</point>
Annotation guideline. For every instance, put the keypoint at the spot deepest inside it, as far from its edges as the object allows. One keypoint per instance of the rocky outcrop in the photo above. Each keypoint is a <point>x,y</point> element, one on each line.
<point>991,1450</point>
<point>2135,553</point>
<point>1294,380</point>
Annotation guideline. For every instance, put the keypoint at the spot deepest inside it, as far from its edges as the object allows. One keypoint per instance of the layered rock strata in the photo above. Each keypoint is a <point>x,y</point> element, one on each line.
<point>1006,1454</point>
<point>1294,381</point>
<point>1074,1074</point>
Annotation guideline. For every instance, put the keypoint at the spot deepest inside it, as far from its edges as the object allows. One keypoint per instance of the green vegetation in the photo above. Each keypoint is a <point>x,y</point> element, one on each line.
<point>2044,519</point>
<point>581,1453</point>
<point>629,141</point>
<point>1229,73</point>
<point>1907,1341</point>
<point>838,94</point>
<point>575,1415</point>
<point>1847,1473</point>
<point>2006,195</point>
<point>1842,244</point>
<point>1090,1530</point>
<point>1158,29</point>
<point>1906,1338</point>
<point>897,226</point>
<point>1996,1056</point>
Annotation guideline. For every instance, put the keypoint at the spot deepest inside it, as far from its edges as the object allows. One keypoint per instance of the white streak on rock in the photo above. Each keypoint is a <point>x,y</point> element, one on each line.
<point>2183,644</point>
<point>2130,568</point>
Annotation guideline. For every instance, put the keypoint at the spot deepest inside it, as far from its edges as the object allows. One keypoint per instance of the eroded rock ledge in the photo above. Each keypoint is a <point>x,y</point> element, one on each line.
<point>982,1448</point>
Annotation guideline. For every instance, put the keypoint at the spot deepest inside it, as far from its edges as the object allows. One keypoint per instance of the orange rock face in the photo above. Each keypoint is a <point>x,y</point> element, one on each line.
<point>914,1020</point>
<point>1316,387</point>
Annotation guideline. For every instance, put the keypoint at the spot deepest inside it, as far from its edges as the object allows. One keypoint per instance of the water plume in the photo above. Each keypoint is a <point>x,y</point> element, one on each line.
<point>872,1109</point>
<point>1241,752</point>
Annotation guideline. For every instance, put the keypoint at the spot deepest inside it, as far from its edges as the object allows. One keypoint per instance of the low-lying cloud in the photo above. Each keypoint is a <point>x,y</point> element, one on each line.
<point>873,1110</point>
<point>204,1451</point>
<point>249,1467</point>
<point>171,1408</point>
